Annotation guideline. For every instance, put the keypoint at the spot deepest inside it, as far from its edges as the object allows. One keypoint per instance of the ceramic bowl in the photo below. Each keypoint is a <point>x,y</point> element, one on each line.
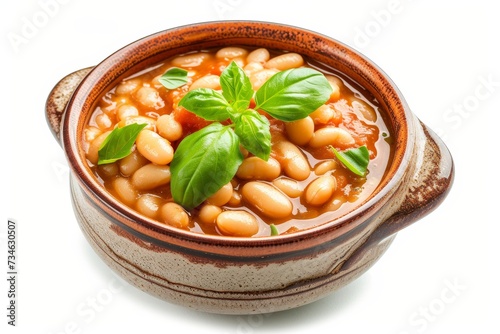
<point>248,275</point>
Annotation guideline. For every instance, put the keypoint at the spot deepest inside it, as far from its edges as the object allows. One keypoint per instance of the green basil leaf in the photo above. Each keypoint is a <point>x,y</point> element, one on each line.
<point>356,159</point>
<point>254,132</point>
<point>293,94</point>
<point>236,87</point>
<point>207,103</point>
<point>274,230</point>
<point>118,144</point>
<point>174,78</point>
<point>203,162</point>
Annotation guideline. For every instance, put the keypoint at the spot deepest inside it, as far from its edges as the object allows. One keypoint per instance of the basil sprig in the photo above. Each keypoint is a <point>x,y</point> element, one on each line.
<point>209,158</point>
<point>356,159</point>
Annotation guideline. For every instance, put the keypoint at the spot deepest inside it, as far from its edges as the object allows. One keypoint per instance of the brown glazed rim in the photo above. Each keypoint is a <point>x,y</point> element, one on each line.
<point>156,47</point>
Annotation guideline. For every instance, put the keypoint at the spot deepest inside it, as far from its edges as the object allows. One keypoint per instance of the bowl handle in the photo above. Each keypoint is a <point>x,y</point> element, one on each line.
<point>428,185</point>
<point>59,97</point>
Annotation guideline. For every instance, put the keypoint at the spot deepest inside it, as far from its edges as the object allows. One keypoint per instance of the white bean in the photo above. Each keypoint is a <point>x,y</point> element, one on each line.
<point>237,223</point>
<point>174,215</point>
<point>258,78</point>
<point>285,61</point>
<point>211,81</point>
<point>267,199</point>
<point>126,110</point>
<point>231,52</point>
<point>289,187</point>
<point>131,163</point>
<point>191,60</point>
<point>260,55</point>
<point>148,205</point>
<point>364,109</point>
<point>151,176</point>
<point>125,191</point>
<point>149,97</point>
<point>154,147</point>
<point>330,135</point>
<point>257,169</point>
<point>168,127</point>
<point>301,131</point>
<point>320,190</point>
<point>222,196</point>
<point>292,160</point>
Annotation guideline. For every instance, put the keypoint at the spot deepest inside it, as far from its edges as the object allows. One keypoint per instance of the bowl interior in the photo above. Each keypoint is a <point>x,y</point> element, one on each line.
<point>157,47</point>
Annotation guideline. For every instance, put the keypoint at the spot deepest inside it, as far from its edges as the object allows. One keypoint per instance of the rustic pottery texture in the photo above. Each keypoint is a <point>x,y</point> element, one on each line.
<point>248,275</point>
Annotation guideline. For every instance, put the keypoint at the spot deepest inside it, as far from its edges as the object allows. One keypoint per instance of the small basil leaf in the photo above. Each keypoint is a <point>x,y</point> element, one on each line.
<point>206,103</point>
<point>293,94</point>
<point>236,87</point>
<point>356,159</point>
<point>174,78</point>
<point>254,132</point>
<point>203,162</point>
<point>118,144</point>
<point>274,230</point>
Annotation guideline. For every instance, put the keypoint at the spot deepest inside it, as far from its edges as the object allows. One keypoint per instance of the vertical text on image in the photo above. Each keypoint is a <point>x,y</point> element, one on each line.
<point>12,276</point>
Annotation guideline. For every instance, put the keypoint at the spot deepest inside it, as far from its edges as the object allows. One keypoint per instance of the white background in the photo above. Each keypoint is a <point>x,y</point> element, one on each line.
<point>437,277</point>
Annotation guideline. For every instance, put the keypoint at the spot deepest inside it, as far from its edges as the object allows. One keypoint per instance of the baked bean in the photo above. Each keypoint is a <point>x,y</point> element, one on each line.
<point>267,199</point>
<point>150,122</point>
<point>364,109</point>
<point>301,131</point>
<point>151,176</point>
<point>168,127</point>
<point>131,163</point>
<point>154,147</point>
<point>191,60</point>
<point>330,135</point>
<point>292,160</point>
<point>208,213</point>
<point>174,215</point>
<point>322,115</point>
<point>211,81</point>
<point>93,150</point>
<point>222,196</point>
<point>336,202</point>
<point>128,86</point>
<point>335,83</point>
<point>260,55</point>
<point>108,170</point>
<point>325,166</point>
<point>148,205</point>
<point>237,223</point>
<point>231,52</point>
<point>149,97</point>
<point>90,133</point>
<point>253,67</point>
<point>125,191</point>
<point>285,61</point>
<point>126,110</point>
<point>254,168</point>
<point>103,122</point>
<point>289,187</point>
<point>240,61</point>
<point>258,78</point>
<point>320,190</point>
<point>235,199</point>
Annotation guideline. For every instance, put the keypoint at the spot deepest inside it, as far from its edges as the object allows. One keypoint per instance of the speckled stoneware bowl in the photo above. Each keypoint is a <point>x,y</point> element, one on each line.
<point>248,275</point>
